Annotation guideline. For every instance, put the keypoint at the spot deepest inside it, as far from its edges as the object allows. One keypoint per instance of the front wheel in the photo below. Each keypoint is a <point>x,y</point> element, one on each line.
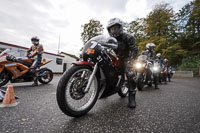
<point>4,78</point>
<point>45,76</point>
<point>71,98</point>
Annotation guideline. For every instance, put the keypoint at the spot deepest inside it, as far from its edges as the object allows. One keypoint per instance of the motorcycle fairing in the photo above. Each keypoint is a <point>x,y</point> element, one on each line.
<point>83,63</point>
<point>16,69</point>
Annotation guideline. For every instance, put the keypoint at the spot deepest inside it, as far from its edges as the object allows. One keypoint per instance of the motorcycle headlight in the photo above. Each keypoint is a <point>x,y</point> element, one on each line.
<point>155,68</point>
<point>138,65</point>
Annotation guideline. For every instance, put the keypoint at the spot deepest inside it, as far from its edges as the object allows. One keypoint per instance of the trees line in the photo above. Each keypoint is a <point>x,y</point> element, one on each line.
<point>176,35</point>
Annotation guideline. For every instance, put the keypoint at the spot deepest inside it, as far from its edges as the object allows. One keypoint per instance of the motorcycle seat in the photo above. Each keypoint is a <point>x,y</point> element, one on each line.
<point>23,62</point>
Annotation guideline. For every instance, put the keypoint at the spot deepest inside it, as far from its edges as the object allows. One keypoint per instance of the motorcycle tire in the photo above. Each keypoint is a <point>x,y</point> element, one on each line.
<point>63,89</point>
<point>6,78</point>
<point>123,91</point>
<point>139,82</point>
<point>42,78</point>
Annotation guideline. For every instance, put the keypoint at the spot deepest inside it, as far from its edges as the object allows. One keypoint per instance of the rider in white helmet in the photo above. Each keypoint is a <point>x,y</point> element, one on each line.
<point>150,51</point>
<point>151,57</point>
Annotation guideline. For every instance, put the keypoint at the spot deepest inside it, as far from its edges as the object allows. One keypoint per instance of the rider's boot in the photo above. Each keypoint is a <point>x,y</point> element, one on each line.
<point>156,86</point>
<point>35,80</point>
<point>131,99</point>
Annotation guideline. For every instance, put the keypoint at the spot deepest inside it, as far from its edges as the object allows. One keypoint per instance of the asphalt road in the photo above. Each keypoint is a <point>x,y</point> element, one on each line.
<point>173,108</point>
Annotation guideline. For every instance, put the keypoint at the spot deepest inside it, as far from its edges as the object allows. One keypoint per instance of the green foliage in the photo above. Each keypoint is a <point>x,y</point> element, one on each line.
<point>91,29</point>
<point>159,22</point>
<point>176,35</point>
<point>137,28</point>
<point>191,63</point>
<point>174,54</point>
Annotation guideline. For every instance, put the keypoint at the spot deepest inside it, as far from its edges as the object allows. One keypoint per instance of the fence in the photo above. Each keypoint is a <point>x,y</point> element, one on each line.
<point>195,71</point>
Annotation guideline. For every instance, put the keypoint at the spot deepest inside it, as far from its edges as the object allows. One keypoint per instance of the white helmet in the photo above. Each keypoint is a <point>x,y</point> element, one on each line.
<point>158,54</point>
<point>150,45</point>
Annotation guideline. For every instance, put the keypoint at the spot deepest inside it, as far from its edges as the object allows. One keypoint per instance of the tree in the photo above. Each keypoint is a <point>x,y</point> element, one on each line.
<point>188,21</point>
<point>137,28</point>
<point>91,29</point>
<point>158,27</point>
<point>159,21</point>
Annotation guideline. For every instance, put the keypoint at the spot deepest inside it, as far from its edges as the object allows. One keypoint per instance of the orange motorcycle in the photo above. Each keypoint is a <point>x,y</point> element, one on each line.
<point>17,70</point>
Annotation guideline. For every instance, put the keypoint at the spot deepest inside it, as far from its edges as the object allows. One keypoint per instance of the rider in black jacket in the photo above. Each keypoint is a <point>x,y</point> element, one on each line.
<point>127,51</point>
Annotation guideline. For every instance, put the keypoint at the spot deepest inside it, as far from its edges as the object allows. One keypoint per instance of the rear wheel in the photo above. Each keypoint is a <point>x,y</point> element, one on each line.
<point>70,91</point>
<point>4,78</point>
<point>45,76</point>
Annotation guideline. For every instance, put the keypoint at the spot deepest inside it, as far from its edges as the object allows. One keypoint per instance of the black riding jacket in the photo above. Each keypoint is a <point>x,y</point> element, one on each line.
<point>150,54</point>
<point>126,45</point>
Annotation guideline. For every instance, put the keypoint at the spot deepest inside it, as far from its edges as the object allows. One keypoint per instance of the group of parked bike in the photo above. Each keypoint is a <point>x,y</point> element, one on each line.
<point>151,69</point>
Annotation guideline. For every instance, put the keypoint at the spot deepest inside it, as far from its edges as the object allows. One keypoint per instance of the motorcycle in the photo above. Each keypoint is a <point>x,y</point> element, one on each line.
<point>17,69</point>
<point>170,73</point>
<point>163,74</point>
<point>147,72</point>
<point>97,76</point>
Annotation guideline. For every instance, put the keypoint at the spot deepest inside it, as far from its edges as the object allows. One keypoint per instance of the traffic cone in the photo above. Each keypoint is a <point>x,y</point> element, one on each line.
<point>9,98</point>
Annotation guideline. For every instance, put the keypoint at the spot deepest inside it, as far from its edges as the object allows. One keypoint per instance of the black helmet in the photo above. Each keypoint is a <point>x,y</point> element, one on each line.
<point>113,22</point>
<point>35,40</point>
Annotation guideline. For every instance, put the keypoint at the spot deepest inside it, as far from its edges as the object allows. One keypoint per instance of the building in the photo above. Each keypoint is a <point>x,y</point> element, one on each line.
<point>68,60</point>
<point>59,63</point>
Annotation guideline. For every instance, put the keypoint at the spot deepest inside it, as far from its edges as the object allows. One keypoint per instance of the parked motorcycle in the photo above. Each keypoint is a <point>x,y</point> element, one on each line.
<point>147,72</point>
<point>97,76</point>
<point>17,70</point>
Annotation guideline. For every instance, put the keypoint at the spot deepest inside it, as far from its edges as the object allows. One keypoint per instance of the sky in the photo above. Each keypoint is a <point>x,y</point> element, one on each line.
<point>53,19</point>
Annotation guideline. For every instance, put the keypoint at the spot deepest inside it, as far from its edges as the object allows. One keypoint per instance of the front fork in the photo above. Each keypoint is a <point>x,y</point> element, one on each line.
<point>1,69</point>
<point>91,78</point>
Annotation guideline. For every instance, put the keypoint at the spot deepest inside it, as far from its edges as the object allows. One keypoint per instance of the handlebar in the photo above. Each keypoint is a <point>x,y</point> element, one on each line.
<point>110,45</point>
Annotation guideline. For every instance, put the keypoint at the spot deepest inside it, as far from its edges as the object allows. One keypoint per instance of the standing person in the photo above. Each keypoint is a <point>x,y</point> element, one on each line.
<point>127,51</point>
<point>36,50</point>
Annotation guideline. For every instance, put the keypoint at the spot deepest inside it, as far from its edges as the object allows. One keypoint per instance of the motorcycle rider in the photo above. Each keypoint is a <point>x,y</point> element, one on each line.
<point>161,62</point>
<point>36,50</point>
<point>127,51</point>
<point>165,62</point>
<point>151,54</point>
<point>160,59</point>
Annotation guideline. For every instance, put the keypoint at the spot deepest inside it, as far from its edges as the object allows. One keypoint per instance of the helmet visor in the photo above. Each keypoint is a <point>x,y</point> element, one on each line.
<point>114,30</point>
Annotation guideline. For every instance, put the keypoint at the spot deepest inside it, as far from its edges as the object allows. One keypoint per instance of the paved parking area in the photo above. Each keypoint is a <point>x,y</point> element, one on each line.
<point>174,107</point>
